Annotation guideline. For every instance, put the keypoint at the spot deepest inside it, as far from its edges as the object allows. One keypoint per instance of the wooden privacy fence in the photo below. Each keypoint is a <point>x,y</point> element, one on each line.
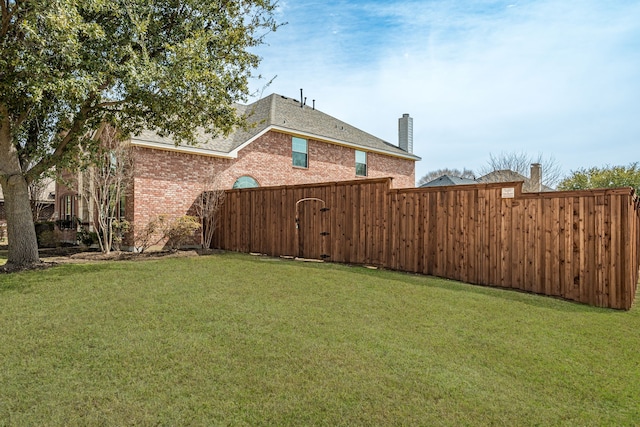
<point>578,245</point>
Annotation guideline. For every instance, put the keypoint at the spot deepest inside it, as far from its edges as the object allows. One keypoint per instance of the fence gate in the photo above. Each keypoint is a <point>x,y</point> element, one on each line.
<point>312,229</point>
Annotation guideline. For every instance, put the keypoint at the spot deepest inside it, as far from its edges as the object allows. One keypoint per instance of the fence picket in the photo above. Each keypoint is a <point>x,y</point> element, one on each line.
<point>582,246</point>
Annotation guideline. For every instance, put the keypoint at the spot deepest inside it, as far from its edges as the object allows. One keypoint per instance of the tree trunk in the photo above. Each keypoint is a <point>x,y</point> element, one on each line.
<point>21,232</point>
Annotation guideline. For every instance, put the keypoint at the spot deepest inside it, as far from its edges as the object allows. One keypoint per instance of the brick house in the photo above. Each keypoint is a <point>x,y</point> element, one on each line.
<point>288,143</point>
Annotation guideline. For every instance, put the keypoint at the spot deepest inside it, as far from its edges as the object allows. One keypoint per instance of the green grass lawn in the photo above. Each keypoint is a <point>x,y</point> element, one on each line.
<point>238,340</point>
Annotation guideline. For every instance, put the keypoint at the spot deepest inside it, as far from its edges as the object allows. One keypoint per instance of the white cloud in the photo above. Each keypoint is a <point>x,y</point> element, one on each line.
<point>557,78</point>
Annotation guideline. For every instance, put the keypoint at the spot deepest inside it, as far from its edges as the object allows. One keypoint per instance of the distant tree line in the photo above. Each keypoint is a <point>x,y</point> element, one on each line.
<point>552,175</point>
<point>603,177</point>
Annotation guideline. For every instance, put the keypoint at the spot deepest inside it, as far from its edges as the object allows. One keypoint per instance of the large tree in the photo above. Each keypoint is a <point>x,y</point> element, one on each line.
<point>604,177</point>
<point>67,65</point>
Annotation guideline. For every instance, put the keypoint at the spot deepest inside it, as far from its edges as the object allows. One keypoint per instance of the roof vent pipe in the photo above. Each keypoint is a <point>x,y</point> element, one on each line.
<point>405,133</point>
<point>301,100</point>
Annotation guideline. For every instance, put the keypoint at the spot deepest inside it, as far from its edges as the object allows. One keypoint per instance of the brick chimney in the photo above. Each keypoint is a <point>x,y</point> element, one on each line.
<point>536,177</point>
<point>405,133</point>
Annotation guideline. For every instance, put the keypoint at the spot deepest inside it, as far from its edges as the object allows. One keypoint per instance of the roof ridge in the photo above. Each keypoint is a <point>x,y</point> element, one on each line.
<point>272,109</point>
<point>284,114</point>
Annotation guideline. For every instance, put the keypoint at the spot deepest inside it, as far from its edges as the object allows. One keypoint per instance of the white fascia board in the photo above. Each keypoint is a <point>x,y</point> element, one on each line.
<point>182,149</point>
<point>235,151</point>
<point>233,154</point>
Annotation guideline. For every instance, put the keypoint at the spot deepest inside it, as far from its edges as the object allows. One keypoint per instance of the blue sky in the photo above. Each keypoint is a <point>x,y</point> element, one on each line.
<point>557,78</point>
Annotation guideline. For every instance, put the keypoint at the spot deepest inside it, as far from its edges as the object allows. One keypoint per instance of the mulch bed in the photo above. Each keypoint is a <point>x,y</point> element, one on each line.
<point>76,255</point>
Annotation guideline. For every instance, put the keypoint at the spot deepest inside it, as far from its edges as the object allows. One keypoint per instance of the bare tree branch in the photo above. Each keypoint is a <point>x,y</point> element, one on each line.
<point>208,205</point>
<point>520,162</point>
<point>37,194</point>
<point>104,185</point>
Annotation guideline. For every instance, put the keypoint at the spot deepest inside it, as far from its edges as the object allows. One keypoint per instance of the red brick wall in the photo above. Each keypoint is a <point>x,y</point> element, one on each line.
<point>168,182</point>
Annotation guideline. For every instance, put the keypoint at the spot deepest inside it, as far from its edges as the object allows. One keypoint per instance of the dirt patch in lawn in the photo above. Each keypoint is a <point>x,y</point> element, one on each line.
<point>94,256</point>
<point>76,255</point>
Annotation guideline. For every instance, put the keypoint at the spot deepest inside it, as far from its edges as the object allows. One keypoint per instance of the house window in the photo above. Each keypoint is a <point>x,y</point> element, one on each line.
<point>245,182</point>
<point>361,163</point>
<point>113,160</point>
<point>299,149</point>
<point>67,208</point>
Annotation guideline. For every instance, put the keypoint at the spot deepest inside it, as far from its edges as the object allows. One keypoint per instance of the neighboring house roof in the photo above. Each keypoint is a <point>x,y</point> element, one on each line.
<point>448,180</point>
<point>507,175</point>
<point>504,175</point>
<point>277,112</point>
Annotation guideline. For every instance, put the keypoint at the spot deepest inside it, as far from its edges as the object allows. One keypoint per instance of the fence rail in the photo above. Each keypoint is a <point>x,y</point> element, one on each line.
<point>579,245</point>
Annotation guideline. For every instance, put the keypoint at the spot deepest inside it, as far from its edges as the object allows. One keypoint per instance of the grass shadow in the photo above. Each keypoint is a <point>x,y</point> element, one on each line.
<point>506,294</point>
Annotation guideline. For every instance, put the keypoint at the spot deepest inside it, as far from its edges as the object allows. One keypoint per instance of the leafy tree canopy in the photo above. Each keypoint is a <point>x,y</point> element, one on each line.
<point>604,177</point>
<point>170,66</point>
<point>66,65</point>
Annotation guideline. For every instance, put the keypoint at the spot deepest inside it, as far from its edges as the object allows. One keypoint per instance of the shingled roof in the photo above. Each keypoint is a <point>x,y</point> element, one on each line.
<point>446,180</point>
<point>507,175</point>
<point>279,113</point>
